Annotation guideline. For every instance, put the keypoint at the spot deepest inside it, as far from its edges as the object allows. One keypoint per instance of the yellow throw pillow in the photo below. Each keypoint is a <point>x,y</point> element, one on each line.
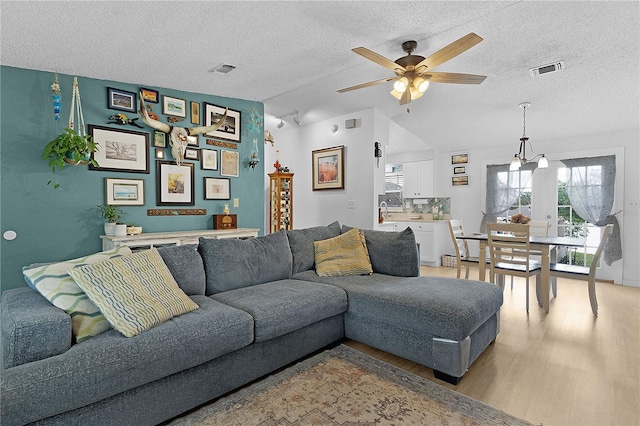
<point>135,292</point>
<point>343,255</point>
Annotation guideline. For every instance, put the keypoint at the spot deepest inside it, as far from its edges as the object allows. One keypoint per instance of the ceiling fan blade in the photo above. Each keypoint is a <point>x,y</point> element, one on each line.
<point>450,51</point>
<point>378,59</point>
<point>363,85</point>
<point>453,77</point>
<point>406,97</point>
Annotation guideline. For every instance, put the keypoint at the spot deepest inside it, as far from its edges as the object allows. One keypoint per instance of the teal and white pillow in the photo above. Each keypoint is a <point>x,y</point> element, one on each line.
<point>135,293</point>
<point>55,284</point>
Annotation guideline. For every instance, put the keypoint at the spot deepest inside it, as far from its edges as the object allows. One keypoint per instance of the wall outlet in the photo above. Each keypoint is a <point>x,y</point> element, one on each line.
<point>633,208</point>
<point>351,204</point>
<point>236,202</point>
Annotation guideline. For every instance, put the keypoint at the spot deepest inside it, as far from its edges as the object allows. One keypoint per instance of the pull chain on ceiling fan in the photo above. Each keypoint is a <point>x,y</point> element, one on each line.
<point>413,72</point>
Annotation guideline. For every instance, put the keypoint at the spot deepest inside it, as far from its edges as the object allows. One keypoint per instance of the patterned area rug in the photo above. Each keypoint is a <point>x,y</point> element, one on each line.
<point>342,386</point>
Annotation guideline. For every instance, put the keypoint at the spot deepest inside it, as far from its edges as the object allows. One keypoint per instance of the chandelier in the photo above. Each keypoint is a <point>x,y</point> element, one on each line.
<point>520,158</point>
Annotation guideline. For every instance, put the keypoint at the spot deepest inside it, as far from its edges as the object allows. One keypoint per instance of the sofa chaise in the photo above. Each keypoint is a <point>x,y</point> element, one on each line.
<point>261,305</point>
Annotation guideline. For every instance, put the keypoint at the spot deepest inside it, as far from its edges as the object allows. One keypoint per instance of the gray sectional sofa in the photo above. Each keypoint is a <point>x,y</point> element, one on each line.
<point>261,306</point>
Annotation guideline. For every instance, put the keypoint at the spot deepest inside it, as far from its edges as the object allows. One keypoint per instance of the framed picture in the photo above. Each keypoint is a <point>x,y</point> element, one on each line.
<point>460,159</point>
<point>174,106</point>
<point>159,154</point>
<point>149,95</point>
<point>229,163</point>
<point>192,154</point>
<point>124,192</point>
<point>328,168</point>
<point>120,150</point>
<point>159,139</point>
<point>460,180</point>
<point>459,170</point>
<point>193,140</point>
<point>195,112</point>
<point>121,100</point>
<point>217,188</point>
<point>175,185</point>
<point>230,130</point>
<point>209,159</point>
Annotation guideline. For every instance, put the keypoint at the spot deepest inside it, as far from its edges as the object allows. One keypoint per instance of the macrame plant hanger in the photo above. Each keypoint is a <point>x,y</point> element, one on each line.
<point>76,107</point>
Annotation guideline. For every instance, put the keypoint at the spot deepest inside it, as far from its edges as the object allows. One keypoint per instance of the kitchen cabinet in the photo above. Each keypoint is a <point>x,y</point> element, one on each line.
<point>432,237</point>
<point>418,179</point>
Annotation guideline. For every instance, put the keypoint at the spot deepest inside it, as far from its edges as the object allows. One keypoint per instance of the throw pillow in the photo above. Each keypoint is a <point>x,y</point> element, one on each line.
<point>301,243</point>
<point>392,253</point>
<point>185,264</point>
<point>54,283</point>
<point>342,255</point>
<point>233,263</point>
<point>135,292</point>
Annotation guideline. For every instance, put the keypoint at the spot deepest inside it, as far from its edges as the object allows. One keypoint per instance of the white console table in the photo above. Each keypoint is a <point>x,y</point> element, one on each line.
<point>153,239</point>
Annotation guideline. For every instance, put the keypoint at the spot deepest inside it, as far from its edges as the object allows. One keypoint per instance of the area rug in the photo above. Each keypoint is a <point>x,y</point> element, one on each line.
<point>342,386</point>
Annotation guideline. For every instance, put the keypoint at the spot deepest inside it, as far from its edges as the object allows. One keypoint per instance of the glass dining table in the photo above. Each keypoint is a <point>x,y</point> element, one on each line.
<point>545,245</point>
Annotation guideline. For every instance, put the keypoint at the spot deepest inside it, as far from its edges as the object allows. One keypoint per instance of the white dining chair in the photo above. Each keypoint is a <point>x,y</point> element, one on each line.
<point>584,273</point>
<point>462,249</point>
<point>538,228</point>
<point>509,253</point>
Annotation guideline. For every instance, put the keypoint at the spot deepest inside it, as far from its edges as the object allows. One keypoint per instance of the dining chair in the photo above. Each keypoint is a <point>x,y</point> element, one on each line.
<point>538,228</point>
<point>509,254</point>
<point>462,249</point>
<point>584,273</point>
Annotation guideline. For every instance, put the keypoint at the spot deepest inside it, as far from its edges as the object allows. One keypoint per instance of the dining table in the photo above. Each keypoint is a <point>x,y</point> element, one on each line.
<point>547,246</point>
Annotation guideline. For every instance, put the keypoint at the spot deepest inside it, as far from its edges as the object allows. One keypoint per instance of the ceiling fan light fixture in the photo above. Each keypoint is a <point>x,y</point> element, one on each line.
<point>401,84</point>
<point>420,84</point>
<point>396,94</point>
<point>415,93</point>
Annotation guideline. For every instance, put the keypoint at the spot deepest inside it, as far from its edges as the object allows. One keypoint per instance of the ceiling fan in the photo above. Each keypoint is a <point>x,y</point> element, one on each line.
<point>413,72</point>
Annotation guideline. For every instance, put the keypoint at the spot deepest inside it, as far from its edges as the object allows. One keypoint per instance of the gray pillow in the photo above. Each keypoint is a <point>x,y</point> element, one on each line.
<point>185,264</point>
<point>233,263</point>
<point>392,253</point>
<point>301,243</point>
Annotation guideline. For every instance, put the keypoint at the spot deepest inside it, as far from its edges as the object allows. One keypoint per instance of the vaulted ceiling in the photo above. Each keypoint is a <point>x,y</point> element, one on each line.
<point>296,55</point>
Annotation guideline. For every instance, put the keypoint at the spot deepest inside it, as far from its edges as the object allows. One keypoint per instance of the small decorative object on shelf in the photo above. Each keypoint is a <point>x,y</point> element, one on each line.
<point>225,221</point>
<point>112,214</point>
<point>520,218</point>
<point>281,201</point>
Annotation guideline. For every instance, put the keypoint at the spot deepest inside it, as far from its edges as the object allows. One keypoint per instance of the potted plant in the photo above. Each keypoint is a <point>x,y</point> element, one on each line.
<point>112,214</point>
<point>69,148</point>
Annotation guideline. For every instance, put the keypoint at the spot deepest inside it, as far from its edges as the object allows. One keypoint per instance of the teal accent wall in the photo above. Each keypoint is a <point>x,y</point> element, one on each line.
<point>59,224</point>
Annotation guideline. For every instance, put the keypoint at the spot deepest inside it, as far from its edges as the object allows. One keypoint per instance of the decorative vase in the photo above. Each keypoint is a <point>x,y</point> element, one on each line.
<point>121,229</point>
<point>109,228</point>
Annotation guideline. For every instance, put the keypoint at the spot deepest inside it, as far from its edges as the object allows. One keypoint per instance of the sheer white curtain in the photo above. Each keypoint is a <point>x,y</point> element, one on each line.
<point>504,188</point>
<point>591,187</point>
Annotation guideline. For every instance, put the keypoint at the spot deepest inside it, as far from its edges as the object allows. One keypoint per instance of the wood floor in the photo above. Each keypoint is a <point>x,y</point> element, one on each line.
<point>566,367</point>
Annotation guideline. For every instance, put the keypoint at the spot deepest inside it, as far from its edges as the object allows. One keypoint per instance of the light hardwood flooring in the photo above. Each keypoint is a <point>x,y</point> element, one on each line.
<point>566,367</point>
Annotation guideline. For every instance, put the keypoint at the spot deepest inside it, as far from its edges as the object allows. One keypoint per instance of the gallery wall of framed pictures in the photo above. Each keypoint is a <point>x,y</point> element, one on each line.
<point>459,164</point>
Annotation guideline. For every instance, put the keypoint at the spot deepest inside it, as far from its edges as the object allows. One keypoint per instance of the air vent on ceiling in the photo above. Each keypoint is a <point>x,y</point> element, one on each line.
<point>222,69</point>
<point>546,69</point>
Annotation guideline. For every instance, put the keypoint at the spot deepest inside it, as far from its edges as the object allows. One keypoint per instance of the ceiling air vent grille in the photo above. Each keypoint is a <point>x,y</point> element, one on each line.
<point>222,69</point>
<point>546,69</point>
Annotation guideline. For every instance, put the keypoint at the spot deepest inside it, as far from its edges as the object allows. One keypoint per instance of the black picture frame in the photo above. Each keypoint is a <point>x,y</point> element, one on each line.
<point>120,150</point>
<point>230,130</point>
<point>121,100</point>
<point>175,184</point>
<point>216,188</point>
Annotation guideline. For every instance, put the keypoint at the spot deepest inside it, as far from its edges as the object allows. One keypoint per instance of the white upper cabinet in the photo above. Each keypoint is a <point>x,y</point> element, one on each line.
<point>418,179</point>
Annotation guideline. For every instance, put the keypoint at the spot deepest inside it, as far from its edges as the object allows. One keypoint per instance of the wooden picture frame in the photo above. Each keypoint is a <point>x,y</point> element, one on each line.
<point>327,167</point>
<point>175,184</point>
<point>208,159</point>
<point>159,139</point>
<point>175,107</point>
<point>124,192</point>
<point>195,112</point>
<point>160,154</point>
<point>217,188</point>
<point>459,158</point>
<point>230,130</point>
<point>120,150</point>
<point>460,181</point>
<point>229,163</point>
<point>459,170</point>
<point>150,95</point>
<point>192,154</point>
<point>121,100</point>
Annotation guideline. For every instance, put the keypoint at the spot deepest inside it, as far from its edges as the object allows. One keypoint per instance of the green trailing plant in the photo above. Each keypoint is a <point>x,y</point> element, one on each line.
<point>69,148</point>
<point>111,213</point>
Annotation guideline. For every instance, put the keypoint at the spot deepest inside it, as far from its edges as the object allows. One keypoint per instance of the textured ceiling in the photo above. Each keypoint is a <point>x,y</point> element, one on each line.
<point>295,55</point>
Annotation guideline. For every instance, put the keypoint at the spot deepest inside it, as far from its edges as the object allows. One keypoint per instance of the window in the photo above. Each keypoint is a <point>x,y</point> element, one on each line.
<point>393,184</point>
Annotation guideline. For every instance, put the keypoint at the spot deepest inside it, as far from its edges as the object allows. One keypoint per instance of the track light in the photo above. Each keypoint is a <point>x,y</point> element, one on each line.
<point>289,114</point>
<point>295,120</point>
<point>280,124</point>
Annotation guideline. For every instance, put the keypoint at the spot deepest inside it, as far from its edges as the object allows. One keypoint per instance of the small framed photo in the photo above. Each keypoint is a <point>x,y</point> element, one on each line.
<point>192,154</point>
<point>175,185</point>
<point>120,150</point>
<point>159,139</point>
<point>460,159</point>
<point>230,130</point>
<point>193,140</point>
<point>160,154</point>
<point>229,163</point>
<point>209,159</point>
<point>124,192</point>
<point>174,106</point>
<point>459,170</point>
<point>149,95</point>
<point>328,168</point>
<point>460,181</point>
<point>195,112</point>
<point>217,188</point>
<point>121,100</point>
